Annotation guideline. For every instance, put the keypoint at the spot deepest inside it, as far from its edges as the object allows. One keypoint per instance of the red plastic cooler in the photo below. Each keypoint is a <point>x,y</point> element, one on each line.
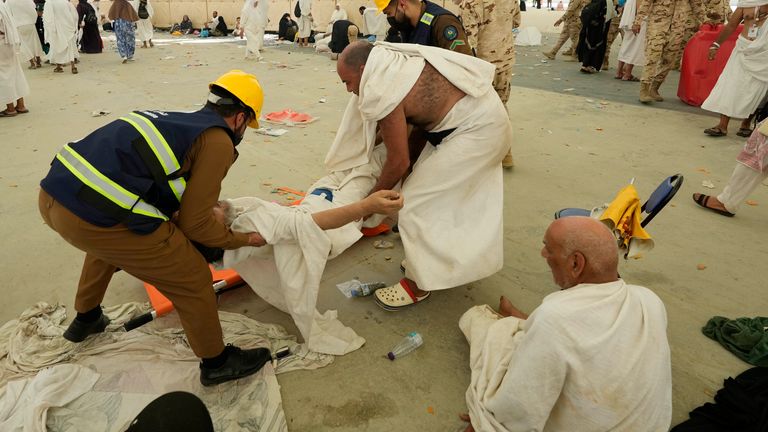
<point>698,75</point>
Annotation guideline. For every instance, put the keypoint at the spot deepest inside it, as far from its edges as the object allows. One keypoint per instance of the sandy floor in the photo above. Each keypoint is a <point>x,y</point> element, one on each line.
<point>570,149</point>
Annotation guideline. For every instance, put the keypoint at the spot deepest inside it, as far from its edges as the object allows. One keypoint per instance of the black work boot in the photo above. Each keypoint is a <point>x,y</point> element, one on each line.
<point>79,330</point>
<point>240,363</point>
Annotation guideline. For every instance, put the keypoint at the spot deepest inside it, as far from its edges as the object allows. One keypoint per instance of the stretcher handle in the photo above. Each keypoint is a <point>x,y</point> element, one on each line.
<point>140,320</point>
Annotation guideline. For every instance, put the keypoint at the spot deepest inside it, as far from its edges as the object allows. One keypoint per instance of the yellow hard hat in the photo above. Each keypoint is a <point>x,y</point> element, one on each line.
<point>246,88</point>
<point>381,4</point>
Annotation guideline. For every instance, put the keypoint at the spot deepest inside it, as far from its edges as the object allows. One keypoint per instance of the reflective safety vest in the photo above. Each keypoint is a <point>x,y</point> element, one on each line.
<point>129,170</point>
<point>422,34</point>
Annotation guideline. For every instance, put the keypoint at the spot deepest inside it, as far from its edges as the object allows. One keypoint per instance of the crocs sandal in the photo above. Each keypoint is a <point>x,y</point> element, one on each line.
<point>703,200</point>
<point>744,132</point>
<point>398,296</point>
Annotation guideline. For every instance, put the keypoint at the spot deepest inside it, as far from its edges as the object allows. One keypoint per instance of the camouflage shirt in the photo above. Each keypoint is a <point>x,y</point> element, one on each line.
<point>574,10</point>
<point>662,12</point>
<point>489,25</point>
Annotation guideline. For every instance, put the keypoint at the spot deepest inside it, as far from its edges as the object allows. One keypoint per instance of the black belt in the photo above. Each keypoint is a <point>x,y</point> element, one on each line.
<point>435,138</point>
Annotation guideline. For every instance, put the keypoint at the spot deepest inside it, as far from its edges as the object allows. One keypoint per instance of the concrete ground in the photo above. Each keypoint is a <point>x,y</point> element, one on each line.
<point>575,148</point>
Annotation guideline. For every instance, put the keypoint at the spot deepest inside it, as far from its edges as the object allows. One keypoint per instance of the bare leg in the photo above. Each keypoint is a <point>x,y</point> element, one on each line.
<point>507,309</point>
<point>619,69</point>
<point>628,71</point>
<point>151,45</point>
<point>721,128</point>
<point>746,123</point>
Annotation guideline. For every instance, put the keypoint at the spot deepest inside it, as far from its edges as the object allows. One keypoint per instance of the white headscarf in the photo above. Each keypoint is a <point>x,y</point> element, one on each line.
<point>8,26</point>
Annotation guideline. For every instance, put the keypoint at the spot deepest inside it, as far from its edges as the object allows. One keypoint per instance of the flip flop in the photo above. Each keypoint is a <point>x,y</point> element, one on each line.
<point>631,78</point>
<point>24,111</point>
<point>702,201</point>
<point>398,296</point>
<point>7,114</point>
<point>744,132</point>
<point>619,78</point>
<point>715,132</point>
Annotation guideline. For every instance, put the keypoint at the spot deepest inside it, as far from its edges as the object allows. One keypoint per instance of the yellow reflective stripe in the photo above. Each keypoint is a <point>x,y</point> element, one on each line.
<point>161,149</point>
<point>160,146</point>
<point>427,18</point>
<point>90,176</point>
<point>178,186</point>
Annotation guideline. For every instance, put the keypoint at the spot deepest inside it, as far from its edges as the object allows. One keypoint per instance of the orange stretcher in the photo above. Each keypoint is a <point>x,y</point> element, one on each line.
<point>222,280</point>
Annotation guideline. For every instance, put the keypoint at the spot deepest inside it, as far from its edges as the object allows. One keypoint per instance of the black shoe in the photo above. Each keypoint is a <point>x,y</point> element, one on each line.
<point>240,363</point>
<point>78,330</point>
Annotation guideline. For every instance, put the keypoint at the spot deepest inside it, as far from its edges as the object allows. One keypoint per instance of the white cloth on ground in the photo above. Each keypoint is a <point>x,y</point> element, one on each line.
<point>744,81</point>
<point>322,45</point>
<point>24,403</point>
<point>13,82</point>
<point>287,272</point>
<point>140,365</point>
<point>253,20</point>
<point>591,357</point>
<point>375,23</point>
<point>450,182</point>
<point>61,25</point>
<point>632,45</point>
<point>528,36</point>
<point>743,181</point>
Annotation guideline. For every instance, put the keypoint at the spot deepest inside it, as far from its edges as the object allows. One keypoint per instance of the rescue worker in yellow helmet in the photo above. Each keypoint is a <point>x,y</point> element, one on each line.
<point>425,23</point>
<point>136,193</point>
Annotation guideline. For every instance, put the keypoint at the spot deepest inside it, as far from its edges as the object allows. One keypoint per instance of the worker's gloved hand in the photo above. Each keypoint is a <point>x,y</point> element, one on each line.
<point>255,239</point>
<point>385,202</point>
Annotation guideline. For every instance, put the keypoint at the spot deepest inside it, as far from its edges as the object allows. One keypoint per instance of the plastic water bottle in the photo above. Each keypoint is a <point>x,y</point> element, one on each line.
<point>366,289</point>
<point>405,346</point>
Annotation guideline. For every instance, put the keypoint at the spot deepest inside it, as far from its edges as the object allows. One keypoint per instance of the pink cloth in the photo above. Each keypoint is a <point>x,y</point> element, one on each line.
<point>755,151</point>
<point>288,116</point>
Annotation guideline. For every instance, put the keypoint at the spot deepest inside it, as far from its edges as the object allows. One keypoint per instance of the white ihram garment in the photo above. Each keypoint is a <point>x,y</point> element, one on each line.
<point>448,240</point>
<point>591,357</point>
<point>632,45</point>
<point>61,25</point>
<point>253,20</point>
<point>744,81</point>
<point>375,23</point>
<point>25,16</point>
<point>144,28</point>
<point>13,83</point>
<point>287,272</point>
<point>305,20</point>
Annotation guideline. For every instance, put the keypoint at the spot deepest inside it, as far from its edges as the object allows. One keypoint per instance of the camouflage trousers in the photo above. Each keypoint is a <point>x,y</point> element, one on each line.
<point>571,30</point>
<point>502,82</point>
<point>613,31</point>
<point>664,46</point>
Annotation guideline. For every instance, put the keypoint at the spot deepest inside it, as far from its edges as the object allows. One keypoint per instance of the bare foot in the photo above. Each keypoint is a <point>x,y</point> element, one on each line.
<point>506,309</point>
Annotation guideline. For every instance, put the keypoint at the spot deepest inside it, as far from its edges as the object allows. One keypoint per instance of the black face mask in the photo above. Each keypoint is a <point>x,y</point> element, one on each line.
<point>240,134</point>
<point>399,26</point>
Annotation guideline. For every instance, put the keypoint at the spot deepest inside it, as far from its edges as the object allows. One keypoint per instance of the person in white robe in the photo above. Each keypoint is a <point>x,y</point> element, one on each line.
<point>593,356</point>
<point>144,28</point>
<point>447,241</point>
<point>375,22</point>
<point>253,23</point>
<point>632,50</point>
<point>24,14</point>
<point>61,25</point>
<point>287,272</point>
<point>338,14</point>
<point>750,171</point>
<point>13,83</point>
<point>305,22</point>
<point>744,81</point>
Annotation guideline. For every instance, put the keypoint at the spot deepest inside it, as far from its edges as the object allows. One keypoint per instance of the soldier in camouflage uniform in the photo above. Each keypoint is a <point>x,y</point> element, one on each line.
<point>572,20</point>
<point>488,24</point>
<point>664,41</point>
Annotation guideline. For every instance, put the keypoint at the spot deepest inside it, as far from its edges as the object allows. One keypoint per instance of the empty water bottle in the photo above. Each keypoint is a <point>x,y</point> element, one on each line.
<point>405,346</point>
<point>366,289</point>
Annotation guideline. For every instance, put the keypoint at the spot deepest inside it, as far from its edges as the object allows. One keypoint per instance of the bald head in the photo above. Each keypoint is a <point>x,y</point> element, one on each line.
<point>580,250</point>
<point>352,63</point>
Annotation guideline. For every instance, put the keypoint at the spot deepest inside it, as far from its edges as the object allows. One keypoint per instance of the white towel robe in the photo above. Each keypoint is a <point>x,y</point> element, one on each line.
<point>144,28</point>
<point>744,81</point>
<point>61,25</point>
<point>632,45</point>
<point>591,357</point>
<point>25,16</point>
<point>287,272</point>
<point>253,20</point>
<point>13,83</point>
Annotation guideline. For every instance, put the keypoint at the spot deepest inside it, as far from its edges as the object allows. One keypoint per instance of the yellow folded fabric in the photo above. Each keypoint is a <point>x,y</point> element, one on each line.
<point>764,127</point>
<point>623,218</point>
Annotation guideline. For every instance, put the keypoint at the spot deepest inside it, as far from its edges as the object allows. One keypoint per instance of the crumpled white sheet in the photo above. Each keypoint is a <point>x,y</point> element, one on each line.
<point>136,367</point>
<point>287,272</point>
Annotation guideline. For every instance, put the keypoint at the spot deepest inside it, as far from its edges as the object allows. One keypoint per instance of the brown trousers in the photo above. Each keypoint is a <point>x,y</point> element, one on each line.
<point>164,258</point>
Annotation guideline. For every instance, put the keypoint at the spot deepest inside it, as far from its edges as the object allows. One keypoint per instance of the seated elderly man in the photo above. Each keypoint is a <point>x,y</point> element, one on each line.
<point>451,222</point>
<point>593,356</point>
